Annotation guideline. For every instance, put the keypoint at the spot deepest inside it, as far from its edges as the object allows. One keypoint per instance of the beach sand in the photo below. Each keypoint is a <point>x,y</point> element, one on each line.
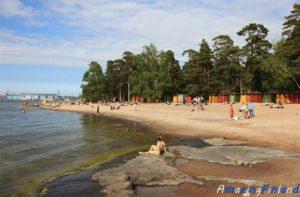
<point>274,128</point>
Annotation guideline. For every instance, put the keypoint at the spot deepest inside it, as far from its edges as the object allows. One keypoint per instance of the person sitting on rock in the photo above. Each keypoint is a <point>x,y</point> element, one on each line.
<point>158,149</point>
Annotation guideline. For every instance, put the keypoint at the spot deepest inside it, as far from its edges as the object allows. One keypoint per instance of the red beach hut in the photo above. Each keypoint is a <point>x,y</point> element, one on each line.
<point>188,99</point>
<point>223,98</point>
<point>294,98</point>
<point>256,97</point>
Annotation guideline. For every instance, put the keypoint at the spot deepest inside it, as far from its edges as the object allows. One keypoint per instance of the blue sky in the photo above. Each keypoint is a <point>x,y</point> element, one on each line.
<point>46,45</point>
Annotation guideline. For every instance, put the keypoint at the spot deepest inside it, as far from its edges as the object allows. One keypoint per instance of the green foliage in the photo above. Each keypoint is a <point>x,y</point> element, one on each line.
<point>228,72</point>
<point>197,70</point>
<point>152,77</point>
<point>290,48</point>
<point>93,87</point>
<point>155,74</point>
<point>254,52</point>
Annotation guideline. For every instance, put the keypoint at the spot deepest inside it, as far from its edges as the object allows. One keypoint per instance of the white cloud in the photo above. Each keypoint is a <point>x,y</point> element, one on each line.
<point>15,8</point>
<point>108,28</point>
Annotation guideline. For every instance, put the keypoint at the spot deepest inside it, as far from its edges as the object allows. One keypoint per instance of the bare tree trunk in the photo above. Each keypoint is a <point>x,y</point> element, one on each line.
<point>241,86</point>
<point>128,92</point>
<point>296,82</point>
<point>120,94</point>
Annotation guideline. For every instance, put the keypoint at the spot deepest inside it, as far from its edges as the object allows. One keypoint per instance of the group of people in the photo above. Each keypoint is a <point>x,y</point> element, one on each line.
<point>247,110</point>
<point>113,107</point>
<point>198,104</point>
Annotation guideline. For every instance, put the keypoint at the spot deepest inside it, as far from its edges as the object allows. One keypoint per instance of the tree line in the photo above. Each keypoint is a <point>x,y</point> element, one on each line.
<point>258,66</point>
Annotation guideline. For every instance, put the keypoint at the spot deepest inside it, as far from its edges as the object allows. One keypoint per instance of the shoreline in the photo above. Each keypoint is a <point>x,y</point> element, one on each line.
<point>192,167</point>
<point>270,131</point>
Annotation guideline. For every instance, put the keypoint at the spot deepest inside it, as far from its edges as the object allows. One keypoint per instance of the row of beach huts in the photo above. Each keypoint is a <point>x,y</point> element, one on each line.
<point>255,97</point>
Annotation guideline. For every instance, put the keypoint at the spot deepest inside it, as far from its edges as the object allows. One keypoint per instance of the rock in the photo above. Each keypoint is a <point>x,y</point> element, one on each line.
<point>109,178</point>
<point>115,184</point>
<point>231,155</point>
<point>145,170</point>
<point>223,142</point>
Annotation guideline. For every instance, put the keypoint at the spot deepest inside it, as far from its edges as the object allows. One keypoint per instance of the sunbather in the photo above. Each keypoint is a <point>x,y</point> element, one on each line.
<point>158,149</point>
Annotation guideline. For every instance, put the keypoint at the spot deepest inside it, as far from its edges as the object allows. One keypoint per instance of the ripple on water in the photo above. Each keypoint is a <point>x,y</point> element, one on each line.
<point>38,145</point>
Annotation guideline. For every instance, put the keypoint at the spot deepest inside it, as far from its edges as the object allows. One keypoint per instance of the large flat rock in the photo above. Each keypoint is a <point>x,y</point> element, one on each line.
<point>223,142</point>
<point>231,155</point>
<point>145,170</point>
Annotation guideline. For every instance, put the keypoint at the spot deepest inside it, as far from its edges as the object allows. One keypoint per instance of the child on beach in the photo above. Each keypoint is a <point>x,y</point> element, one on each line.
<point>251,110</point>
<point>244,111</point>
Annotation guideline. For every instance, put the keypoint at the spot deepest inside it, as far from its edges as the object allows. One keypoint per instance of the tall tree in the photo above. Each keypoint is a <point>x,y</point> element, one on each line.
<point>168,61</point>
<point>227,75</point>
<point>151,77</point>
<point>255,51</point>
<point>290,48</point>
<point>127,69</point>
<point>197,70</point>
<point>112,76</point>
<point>93,87</point>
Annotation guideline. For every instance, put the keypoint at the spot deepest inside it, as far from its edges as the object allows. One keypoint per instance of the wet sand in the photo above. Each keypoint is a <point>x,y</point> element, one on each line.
<point>274,128</point>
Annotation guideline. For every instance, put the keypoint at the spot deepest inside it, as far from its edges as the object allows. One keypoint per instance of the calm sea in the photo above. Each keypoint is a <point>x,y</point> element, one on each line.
<point>39,145</point>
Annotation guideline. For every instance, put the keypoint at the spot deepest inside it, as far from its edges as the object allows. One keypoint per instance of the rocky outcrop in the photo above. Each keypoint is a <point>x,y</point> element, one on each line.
<point>145,170</point>
<point>231,155</point>
<point>223,142</point>
<point>152,170</point>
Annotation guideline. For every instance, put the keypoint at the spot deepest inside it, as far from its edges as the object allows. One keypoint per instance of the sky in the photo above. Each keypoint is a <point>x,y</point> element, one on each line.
<point>46,45</point>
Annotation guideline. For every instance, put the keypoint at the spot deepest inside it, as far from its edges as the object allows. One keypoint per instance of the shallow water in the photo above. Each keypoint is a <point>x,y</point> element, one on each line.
<point>39,145</point>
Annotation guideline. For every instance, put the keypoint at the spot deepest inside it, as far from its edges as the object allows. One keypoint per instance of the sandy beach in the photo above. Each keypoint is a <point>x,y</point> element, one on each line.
<point>277,129</point>
<point>274,128</point>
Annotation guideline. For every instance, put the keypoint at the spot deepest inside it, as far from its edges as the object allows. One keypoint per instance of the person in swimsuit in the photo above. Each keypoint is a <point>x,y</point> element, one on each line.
<point>158,149</point>
<point>98,110</point>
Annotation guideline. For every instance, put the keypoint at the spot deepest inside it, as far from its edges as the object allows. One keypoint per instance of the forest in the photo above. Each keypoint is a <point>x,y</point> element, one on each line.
<point>258,66</point>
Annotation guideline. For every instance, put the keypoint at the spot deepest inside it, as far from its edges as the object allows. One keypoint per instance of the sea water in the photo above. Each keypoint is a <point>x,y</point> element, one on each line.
<point>39,145</point>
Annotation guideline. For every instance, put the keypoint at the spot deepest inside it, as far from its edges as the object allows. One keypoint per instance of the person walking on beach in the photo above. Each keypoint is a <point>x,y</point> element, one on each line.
<point>231,111</point>
<point>135,104</point>
<point>251,110</point>
<point>98,110</point>
<point>158,149</point>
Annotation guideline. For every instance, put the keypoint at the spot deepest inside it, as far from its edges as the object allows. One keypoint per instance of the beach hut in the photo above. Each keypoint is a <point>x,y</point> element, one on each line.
<point>294,98</point>
<point>210,99</point>
<point>280,98</point>
<point>287,98</point>
<point>256,97</point>
<point>235,98</point>
<point>180,98</point>
<point>243,98</point>
<point>214,99</point>
<point>231,98</point>
<point>223,98</point>
<point>175,99</point>
<point>269,98</point>
<point>188,99</point>
<point>138,98</point>
<point>248,98</point>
